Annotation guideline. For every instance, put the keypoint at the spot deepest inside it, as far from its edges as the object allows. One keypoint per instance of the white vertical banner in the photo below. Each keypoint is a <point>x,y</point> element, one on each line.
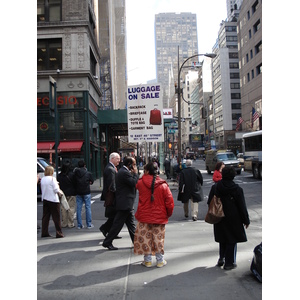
<point>145,113</point>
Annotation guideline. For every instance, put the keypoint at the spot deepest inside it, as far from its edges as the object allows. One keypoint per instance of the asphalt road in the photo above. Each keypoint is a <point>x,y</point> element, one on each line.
<point>78,267</point>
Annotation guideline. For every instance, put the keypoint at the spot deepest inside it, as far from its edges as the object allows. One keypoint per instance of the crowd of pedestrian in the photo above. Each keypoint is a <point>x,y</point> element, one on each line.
<point>155,204</point>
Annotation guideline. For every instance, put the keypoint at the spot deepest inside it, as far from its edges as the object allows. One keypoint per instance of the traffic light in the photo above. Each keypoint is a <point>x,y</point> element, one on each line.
<point>170,145</point>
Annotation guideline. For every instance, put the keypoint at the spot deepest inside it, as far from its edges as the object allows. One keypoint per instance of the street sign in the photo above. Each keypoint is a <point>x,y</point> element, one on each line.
<point>196,64</point>
<point>171,131</point>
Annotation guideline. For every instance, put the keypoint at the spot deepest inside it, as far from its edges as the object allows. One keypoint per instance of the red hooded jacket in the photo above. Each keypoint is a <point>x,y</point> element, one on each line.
<point>161,208</point>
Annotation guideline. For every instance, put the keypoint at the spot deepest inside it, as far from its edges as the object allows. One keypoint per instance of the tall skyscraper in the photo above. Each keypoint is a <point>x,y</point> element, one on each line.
<point>173,30</point>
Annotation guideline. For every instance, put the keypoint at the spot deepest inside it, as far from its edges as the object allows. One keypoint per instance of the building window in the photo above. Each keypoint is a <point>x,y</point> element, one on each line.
<point>233,55</point>
<point>251,54</point>
<point>254,7</point>
<point>258,47</point>
<point>48,10</point>
<point>250,35</point>
<point>235,96</point>
<point>93,63</point>
<point>247,57</point>
<point>256,26</point>
<point>258,69</point>
<point>252,73</point>
<point>49,54</point>
<point>233,65</point>
<point>234,75</point>
<point>234,85</point>
<point>248,14</point>
<point>248,77</point>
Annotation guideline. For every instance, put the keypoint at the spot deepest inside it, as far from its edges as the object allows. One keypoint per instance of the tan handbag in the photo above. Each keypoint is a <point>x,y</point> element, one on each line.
<point>215,211</point>
<point>63,201</point>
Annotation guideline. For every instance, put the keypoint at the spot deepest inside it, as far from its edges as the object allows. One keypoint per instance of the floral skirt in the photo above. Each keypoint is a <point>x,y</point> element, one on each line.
<point>149,239</point>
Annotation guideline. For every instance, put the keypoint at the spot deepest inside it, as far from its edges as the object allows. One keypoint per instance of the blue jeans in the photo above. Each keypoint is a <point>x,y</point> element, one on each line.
<point>86,199</point>
<point>159,257</point>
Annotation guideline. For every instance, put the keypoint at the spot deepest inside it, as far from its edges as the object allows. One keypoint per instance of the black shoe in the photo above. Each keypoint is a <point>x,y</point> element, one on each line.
<point>230,267</point>
<point>103,231</point>
<point>110,247</point>
<point>194,218</point>
<point>118,237</point>
<point>221,262</point>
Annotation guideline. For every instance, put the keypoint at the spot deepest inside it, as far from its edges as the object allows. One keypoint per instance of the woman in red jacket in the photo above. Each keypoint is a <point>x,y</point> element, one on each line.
<point>218,171</point>
<point>155,207</point>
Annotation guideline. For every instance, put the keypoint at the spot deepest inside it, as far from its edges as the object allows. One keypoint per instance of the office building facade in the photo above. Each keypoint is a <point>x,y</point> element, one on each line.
<point>173,32</point>
<point>250,61</point>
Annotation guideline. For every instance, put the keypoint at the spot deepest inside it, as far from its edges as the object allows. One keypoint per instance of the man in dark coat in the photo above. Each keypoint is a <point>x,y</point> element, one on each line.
<point>230,230</point>
<point>109,187</point>
<point>83,180</point>
<point>190,188</point>
<point>126,181</point>
<point>167,166</point>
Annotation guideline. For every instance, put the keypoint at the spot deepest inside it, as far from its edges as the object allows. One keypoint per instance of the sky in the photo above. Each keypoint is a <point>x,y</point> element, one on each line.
<point>140,17</point>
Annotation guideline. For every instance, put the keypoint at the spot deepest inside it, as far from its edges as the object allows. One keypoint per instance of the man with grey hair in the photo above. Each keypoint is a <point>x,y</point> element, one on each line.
<point>190,188</point>
<point>109,189</point>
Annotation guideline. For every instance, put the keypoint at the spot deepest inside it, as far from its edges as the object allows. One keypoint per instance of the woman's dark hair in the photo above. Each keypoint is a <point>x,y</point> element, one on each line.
<point>218,165</point>
<point>151,167</point>
<point>65,169</point>
<point>228,173</point>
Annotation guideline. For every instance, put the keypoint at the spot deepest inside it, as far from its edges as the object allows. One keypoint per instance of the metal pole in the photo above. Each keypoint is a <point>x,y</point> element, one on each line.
<point>179,114</point>
<point>56,131</point>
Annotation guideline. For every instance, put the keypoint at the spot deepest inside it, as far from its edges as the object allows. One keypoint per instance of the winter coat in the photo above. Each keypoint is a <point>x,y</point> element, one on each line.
<point>161,208</point>
<point>217,176</point>
<point>83,180</point>
<point>192,180</point>
<point>231,228</point>
<point>66,183</point>
<point>109,180</point>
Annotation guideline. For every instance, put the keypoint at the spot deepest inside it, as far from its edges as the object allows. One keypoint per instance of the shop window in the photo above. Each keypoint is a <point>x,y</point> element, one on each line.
<point>49,54</point>
<point>48,10</point>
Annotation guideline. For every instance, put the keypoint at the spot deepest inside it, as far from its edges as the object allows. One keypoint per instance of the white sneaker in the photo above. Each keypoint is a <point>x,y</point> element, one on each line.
<point>161,264</point>
<point>91,226</point>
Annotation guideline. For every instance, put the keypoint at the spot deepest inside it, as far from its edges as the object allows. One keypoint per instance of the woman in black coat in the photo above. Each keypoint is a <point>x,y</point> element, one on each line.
<point>230,230</point>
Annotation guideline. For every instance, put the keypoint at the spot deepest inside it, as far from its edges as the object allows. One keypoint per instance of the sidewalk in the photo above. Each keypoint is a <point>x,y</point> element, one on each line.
<point>77,266</point>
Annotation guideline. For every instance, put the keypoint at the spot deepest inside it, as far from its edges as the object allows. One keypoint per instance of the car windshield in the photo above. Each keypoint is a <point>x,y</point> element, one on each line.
<point>43,163</point>
<point>226,156</point>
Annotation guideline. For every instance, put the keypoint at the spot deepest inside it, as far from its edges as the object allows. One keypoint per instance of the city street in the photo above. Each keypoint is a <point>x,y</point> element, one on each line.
<point>78,266</point>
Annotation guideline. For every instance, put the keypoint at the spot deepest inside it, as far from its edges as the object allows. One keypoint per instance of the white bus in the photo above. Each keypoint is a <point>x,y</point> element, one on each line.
<point>252,149</point>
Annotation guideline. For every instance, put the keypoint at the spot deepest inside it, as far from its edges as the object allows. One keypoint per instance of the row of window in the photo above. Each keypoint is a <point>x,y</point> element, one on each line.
<point>249,56</point>
<point>256,72</point>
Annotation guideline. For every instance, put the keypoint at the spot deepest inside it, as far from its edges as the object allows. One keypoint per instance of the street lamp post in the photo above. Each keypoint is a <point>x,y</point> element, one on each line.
<point>211,55</point>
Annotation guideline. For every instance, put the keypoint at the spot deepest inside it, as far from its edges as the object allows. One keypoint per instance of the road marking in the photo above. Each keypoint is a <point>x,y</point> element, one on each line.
<point>97,196</point>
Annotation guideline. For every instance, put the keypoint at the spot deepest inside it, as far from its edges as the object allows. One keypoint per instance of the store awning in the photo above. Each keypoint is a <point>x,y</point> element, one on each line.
<point>45,147</point>
<point>70,146</point>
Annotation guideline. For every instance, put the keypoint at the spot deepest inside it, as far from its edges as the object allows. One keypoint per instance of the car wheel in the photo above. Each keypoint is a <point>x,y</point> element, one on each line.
<point>255,172</point>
